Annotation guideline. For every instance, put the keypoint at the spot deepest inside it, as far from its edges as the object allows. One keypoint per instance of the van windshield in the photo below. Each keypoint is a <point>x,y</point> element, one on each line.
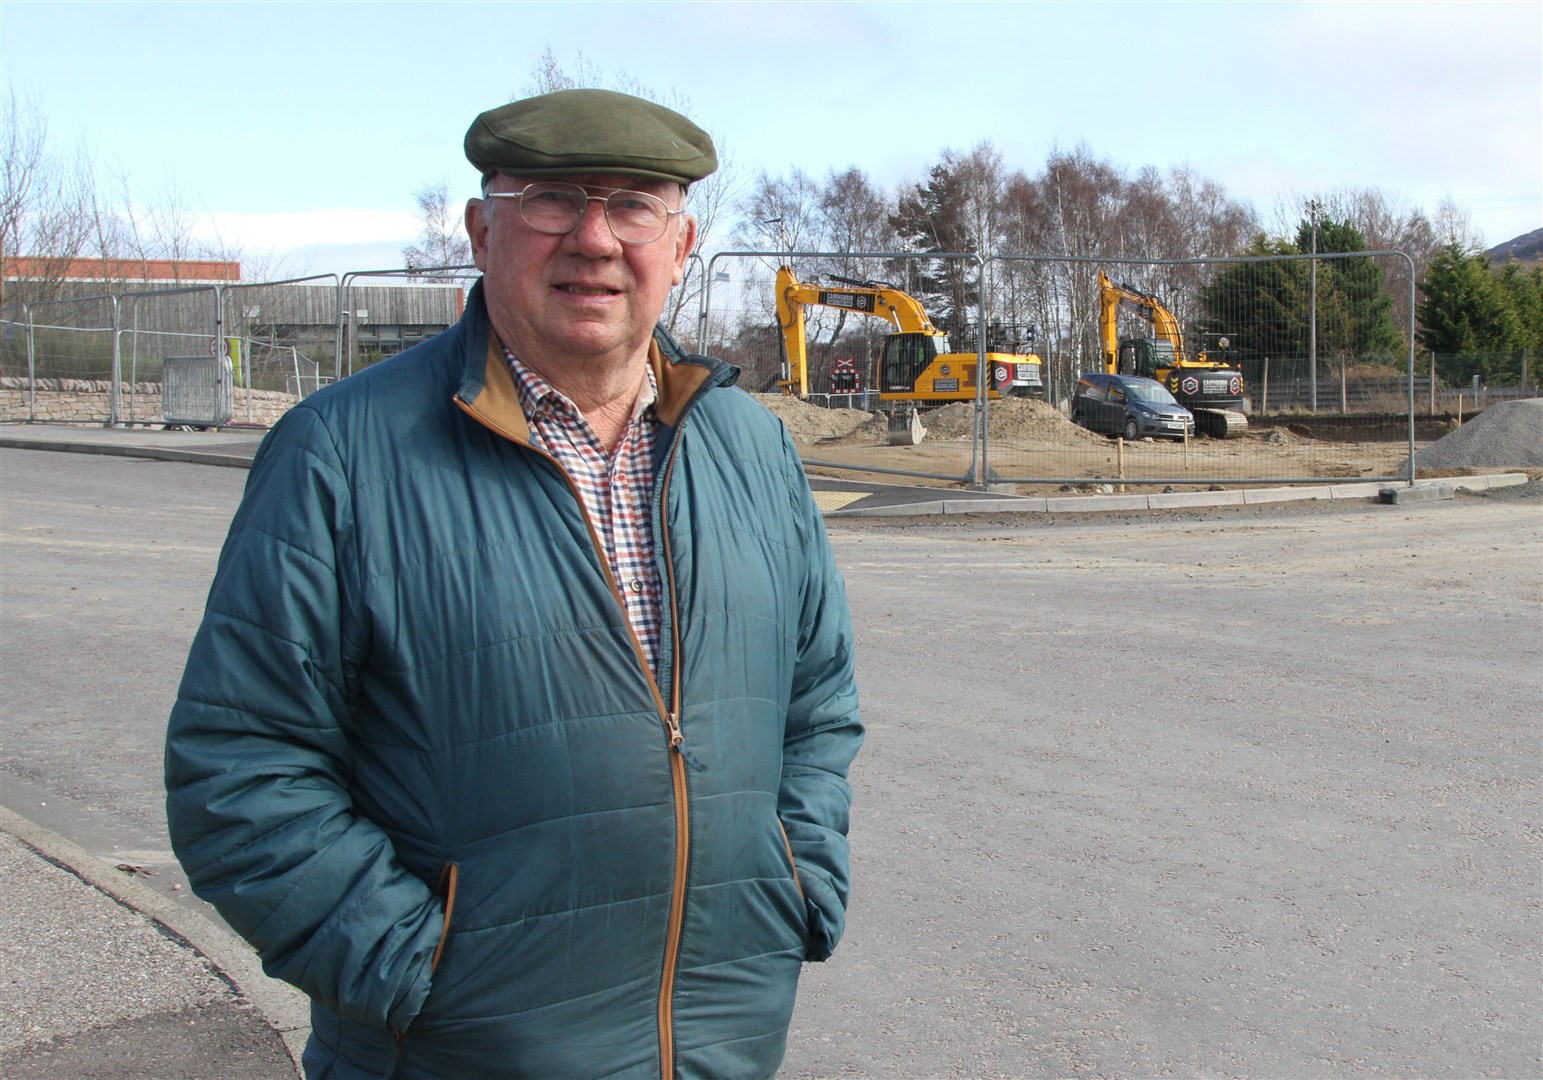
<point>1151,393</point>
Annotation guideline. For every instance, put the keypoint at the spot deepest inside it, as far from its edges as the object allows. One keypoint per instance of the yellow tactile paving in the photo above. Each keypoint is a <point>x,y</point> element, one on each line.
<point>835,500</point>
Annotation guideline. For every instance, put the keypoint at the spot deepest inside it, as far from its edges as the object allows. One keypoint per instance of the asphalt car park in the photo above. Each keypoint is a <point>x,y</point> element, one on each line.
<point>1311,852</point>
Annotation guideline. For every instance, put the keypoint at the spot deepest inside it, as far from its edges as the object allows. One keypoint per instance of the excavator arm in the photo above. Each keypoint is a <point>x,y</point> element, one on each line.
<point>899,309</point>
<point>1115,296</point>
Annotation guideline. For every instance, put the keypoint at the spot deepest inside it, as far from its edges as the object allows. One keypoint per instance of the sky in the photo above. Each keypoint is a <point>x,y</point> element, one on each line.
<point>300,132</point>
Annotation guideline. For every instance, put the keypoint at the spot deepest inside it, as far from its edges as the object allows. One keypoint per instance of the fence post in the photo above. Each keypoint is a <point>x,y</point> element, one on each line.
<point>32,373</point>
<point>337,348</point>
<point>114,406</point>
<point>704,305</point>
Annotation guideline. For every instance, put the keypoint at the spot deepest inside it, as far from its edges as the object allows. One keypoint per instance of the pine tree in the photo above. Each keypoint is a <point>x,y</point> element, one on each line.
<point>930,219</point>
<point>1355,312</point>
<point>1466,316</point>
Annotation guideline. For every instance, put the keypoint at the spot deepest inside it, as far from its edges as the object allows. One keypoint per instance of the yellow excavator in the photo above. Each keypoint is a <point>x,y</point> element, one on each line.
<point>918,369</point>
<point>1211,389</point>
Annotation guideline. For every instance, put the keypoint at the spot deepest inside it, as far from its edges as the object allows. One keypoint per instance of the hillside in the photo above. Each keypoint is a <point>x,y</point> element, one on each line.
<point>1526,249</point>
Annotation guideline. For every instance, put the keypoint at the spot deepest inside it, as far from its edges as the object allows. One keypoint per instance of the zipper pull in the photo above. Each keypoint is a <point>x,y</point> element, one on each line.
<point>678,744</point>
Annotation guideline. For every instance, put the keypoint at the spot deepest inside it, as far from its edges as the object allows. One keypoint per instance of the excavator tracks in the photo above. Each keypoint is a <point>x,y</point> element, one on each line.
<point>1219,423</point>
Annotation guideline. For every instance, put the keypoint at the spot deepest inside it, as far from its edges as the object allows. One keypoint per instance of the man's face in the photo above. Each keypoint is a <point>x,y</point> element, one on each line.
<point>584,297</point>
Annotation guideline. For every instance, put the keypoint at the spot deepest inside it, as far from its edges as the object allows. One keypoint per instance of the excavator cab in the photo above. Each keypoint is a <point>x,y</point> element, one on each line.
<point>906,356</point>
<point>1145,357</point>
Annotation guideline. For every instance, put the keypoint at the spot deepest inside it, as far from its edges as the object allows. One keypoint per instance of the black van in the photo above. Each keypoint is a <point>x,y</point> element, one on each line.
<point>1130,406</point>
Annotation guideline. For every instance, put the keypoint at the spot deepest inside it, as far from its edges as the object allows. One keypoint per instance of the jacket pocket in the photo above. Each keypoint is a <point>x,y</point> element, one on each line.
<point>449,881</point>
<point>787,846</point>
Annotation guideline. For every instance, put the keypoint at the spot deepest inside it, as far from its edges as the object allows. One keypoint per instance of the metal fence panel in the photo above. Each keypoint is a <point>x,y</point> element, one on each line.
<point>281,336</point>
<point>1277,321</point>
<point>158,323</point>
<point>1308,340</point>
<point>1326,399</point>
<point>366,334</point>
<point>197,391</point>
<point>56,349</point>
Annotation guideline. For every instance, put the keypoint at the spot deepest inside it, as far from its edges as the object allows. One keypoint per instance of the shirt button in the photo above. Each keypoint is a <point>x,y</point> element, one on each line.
<point>636,585</point>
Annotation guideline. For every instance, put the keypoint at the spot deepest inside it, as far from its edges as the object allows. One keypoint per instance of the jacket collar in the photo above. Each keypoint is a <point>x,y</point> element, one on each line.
<point>488,393</point>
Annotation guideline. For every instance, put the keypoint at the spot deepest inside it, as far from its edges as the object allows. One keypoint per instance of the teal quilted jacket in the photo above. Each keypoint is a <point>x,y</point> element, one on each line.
<point>418,762</point>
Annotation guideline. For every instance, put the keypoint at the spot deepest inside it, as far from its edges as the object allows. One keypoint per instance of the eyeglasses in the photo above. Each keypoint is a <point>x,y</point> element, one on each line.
<point>635,217</point>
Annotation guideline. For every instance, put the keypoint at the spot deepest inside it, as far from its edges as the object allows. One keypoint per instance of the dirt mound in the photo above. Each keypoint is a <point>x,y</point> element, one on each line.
<point>1504,436</point>
<point>1015,420</point>
<point>809,424</point>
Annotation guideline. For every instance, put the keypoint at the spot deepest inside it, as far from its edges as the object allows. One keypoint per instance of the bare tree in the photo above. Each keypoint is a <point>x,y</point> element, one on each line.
<point>23,141</point>
<point>130,237</point>
<point>549,75</point>
<point>853,214</point>
<point>1454,225</point>
<point>44,205</point>
<point>1072,207</point>
<point>780,213</point>
<point>442,241</point>
<point>711,202</point>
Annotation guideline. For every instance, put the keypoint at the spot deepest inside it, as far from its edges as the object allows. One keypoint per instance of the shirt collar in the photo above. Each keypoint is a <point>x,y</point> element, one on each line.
<point>539,397</point>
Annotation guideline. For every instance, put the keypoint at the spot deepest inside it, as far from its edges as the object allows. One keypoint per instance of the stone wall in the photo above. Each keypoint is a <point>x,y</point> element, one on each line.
<point>86,401</point>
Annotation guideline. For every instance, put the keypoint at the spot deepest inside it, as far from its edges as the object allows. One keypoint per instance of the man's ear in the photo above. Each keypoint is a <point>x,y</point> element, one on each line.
<point>477,230</point>
<point>685,241</point>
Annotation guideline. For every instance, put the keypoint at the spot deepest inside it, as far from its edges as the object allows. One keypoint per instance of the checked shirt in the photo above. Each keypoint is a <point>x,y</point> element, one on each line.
<point>614,488</point>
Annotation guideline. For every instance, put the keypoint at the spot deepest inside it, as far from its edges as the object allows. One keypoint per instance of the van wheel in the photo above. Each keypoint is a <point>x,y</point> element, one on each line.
<point>1077,418</point>
<point>1132,430</point>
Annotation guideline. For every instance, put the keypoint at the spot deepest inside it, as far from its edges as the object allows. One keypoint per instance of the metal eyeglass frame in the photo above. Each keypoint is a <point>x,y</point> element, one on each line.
<point>578,219</point>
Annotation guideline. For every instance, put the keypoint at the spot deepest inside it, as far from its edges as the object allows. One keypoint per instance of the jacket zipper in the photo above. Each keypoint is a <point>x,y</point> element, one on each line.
<point>679,755</point>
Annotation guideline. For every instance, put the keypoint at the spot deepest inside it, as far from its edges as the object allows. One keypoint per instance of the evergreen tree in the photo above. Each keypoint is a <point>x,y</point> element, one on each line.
<point>1265,309</point>
<point>1261,307</point>
<point>1468,318</point>
<point>930,218</point>
<point>1523,290</point>
<point>1355,312</point>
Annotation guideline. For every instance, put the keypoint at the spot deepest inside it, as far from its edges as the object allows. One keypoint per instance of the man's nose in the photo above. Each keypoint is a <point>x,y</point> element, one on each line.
<point>593,232</point>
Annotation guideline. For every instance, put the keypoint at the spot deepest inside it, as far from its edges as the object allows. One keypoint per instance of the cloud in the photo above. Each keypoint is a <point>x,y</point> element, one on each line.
<point>285,230</point>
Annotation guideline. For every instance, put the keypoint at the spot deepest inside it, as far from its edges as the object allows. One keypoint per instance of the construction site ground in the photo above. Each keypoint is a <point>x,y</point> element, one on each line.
<point>1032,440</point>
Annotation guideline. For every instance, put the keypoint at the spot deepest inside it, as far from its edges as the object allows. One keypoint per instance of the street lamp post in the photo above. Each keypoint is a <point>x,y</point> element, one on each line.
<point>782,236</point>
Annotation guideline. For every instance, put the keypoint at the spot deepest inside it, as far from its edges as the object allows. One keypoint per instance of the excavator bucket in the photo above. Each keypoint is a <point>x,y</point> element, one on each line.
<point>905,428</point>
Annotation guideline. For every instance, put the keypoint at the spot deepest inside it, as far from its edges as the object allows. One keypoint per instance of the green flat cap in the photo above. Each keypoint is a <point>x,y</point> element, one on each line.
<point>589,131</point>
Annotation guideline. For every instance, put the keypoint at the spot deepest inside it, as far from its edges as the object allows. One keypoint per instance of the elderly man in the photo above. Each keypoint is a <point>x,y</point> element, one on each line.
<point>517,730</point>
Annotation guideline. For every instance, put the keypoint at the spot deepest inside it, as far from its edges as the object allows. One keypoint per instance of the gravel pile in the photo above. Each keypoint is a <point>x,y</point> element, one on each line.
<point>1504,436</point>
